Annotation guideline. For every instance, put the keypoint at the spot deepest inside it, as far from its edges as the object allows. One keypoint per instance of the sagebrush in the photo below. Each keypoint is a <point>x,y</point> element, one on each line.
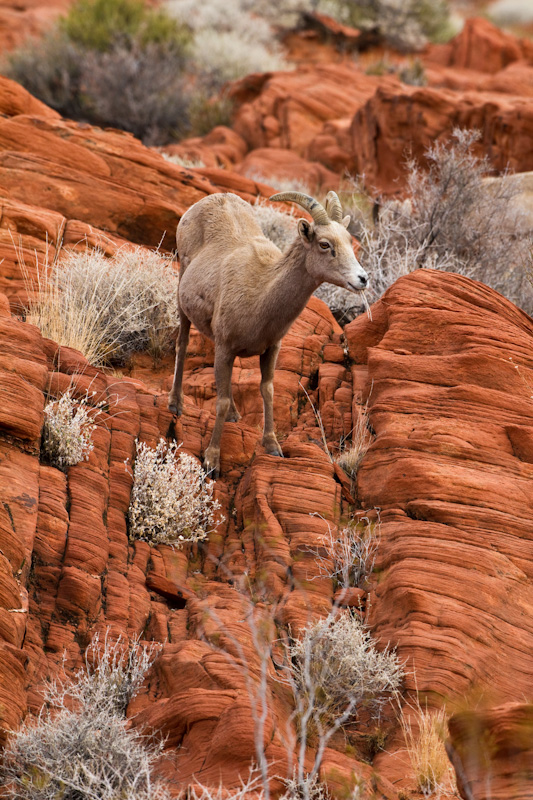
<point>80,747</point>
<point>172,499</point>
<point>109,308</point>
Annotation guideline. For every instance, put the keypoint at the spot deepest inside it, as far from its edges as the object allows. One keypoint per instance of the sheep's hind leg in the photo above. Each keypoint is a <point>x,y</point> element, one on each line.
<point>175,397</point>
<point>267,362</point>
<point>223,370</point>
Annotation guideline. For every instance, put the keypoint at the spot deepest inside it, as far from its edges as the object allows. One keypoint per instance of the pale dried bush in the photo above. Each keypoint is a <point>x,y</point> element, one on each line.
<point>69,423</point>
<point>351,456</point>
<point>339,670</point>
<point>424,740</point>
<point>183,161</point>
<point>223,56</point>
<point>454,220</point>
<point>251,787</point>
<point>171,499</point>
<point>277,225</point>
<point>351,553</point>
<point>109,308</point>
<point>79,747</point>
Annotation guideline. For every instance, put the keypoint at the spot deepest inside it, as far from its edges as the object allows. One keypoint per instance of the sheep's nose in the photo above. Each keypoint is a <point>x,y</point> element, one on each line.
<point>364,280</point>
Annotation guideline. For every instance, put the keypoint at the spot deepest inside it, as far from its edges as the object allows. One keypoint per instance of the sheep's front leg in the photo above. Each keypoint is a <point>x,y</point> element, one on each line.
<point>267,362</point>
<point>223,370</point>
<point>175,397</point>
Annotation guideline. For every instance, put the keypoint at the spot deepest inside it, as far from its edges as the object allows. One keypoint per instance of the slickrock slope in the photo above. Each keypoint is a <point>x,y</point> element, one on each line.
<point>446,366</point>
<point>492,752</point>
<point>449,388</point>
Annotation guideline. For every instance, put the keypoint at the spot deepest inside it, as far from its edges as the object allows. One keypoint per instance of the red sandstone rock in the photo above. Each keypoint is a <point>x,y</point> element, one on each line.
<point>491,751</point>
<point>20,19</point>
<point>397,122</point>
<point>481,46</point>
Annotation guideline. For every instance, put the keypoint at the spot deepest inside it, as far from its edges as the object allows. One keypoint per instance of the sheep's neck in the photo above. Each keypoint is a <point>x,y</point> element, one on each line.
<point>290,288</point>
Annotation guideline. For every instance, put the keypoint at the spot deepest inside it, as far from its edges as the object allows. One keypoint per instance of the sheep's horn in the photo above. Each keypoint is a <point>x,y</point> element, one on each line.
<point>317,211</point>
<point>333,207</point>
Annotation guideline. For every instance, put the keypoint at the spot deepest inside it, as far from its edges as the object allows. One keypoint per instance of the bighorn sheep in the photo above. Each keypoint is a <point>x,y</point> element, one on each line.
<point>240,290</point>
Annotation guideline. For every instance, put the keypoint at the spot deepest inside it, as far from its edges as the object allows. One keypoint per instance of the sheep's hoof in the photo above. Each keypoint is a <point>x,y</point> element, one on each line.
<point>272,447</point>
<point>212,463</point>
<point>175,407</point>
<point>233,415</point>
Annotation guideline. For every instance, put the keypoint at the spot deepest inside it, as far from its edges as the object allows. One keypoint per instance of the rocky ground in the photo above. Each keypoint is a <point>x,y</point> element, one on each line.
<point>443,364</point>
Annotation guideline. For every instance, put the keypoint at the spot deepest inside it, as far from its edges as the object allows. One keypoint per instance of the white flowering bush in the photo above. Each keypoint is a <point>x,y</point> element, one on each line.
<point>172,499</point>
<point>68,427</point>
<point>80,747</point>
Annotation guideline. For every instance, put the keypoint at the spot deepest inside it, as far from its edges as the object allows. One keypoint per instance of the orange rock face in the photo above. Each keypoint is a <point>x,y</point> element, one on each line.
<point>492,752</point>
<point>445,368</point>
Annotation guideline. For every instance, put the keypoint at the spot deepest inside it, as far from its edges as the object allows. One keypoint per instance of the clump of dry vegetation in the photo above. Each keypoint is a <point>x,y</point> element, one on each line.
<point>109,308</point>
<point>339,670</point>
<point>424,738</point>
<point>171,499</point>
<point>80,747</point>
<point>351,553</point>
<point>453,219</point>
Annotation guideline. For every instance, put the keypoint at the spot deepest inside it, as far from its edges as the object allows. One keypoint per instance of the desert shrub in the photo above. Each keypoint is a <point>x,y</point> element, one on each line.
<point>453,219</point>
<point>68,427</point>
<point>413,74</point>
<point>117,63</point>
<point>183,161</point>
<point>337,667</point>
<point>229,41</point>
<point>171,499</point>
<point>277,225</point>
<point>222,56</point>
<point>424,738</point>
<point>405,26</point>
<point>51,69</point>
<point>207,111</point>
<point>140,89</point>
<point>109,308</point>
<point>344,305</point>
<point>351,553</point>
<point>102,24</point>
<point>351,455</point>
<point>79,747</point>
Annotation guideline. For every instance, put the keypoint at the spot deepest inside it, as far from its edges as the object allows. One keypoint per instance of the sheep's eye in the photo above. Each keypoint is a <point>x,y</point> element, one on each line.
<point>324,245</point>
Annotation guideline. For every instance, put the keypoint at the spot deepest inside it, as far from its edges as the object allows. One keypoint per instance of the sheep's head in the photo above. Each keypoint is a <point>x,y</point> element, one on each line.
<point>330,257</point>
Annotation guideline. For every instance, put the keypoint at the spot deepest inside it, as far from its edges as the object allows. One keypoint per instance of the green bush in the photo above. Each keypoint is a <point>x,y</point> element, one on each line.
<point>406,25</point>
<point>112,63</point>
<point>102,24</point>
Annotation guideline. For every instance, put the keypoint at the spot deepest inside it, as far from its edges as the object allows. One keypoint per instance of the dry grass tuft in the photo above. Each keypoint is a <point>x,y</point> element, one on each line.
<point>108,308</point>
<point>424,739</point>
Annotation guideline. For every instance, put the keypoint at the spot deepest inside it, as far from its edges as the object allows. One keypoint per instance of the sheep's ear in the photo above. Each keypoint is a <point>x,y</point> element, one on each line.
<point>346,220</point>
<point>306,232</point>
